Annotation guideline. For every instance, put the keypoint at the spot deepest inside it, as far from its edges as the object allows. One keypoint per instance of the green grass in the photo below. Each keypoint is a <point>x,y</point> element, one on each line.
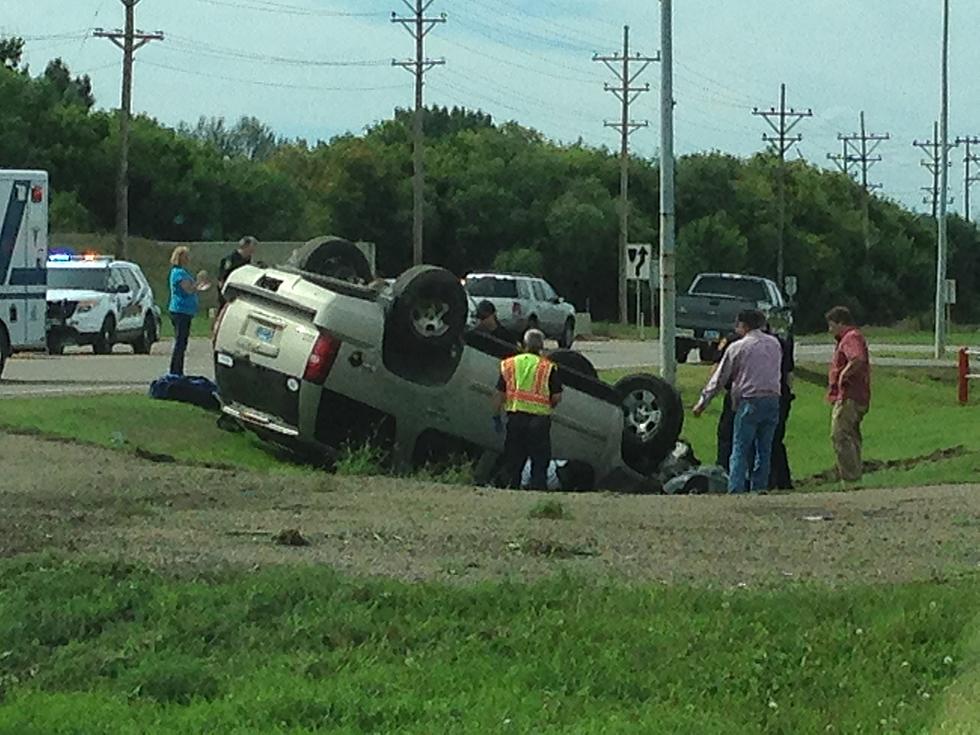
<point>960,335</point>
<point>615,330</point>
<point>132,422</point>
<point>101,648</point>
<point>914,413</point>
<point>552,510</point>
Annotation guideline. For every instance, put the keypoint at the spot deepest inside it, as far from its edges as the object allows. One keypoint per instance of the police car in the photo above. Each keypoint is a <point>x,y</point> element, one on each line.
<point>98,301</point>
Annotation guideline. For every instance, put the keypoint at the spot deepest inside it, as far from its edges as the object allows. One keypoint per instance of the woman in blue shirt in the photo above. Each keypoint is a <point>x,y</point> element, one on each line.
<point>183,303</point>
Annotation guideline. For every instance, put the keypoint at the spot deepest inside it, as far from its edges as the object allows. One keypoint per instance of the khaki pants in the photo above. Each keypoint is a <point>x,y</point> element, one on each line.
<point>845,433</point>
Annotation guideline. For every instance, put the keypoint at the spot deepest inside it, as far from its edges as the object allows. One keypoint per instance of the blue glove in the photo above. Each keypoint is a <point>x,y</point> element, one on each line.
<point>498,424</point>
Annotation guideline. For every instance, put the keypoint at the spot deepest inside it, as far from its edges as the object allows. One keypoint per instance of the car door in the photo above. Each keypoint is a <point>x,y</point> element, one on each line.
<point>542,308</point>
<point>121,295</point>
<point>555,310</point>
<point>140,298</point>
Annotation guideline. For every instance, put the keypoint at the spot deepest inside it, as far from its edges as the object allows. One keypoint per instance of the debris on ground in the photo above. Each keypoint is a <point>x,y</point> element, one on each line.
<point>290,537</point>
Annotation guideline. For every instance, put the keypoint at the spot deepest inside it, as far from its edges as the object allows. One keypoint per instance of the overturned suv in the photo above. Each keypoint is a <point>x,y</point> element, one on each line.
<point>314,356</point>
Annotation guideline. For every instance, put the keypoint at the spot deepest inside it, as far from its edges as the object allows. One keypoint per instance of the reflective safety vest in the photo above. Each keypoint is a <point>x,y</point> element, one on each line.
<point>526,380</point>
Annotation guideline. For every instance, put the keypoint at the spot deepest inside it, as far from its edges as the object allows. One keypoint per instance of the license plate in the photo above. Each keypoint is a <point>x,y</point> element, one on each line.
<point>711,334</point>
<point>265,334</point>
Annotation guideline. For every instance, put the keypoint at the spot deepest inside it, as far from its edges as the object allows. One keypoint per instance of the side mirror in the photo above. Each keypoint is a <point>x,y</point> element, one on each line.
<point>122,288</point>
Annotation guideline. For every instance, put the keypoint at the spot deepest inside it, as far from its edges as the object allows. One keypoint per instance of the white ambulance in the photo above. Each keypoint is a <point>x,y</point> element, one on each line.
<point>23,261</point>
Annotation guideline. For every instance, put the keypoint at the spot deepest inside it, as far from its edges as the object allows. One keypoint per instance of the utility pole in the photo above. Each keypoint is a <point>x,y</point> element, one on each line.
<point>782,121</point>
<point>968,179</point>
<point>627,92</point>
<point>668,284</point>
<point>933,149</point>
<point>941,244</point>
<point>860,148</point>
<point>418,26</point>
<point>129,40</point>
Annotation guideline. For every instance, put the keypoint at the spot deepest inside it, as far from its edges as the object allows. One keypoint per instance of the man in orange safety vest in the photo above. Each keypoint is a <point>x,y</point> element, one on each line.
<point>528,390</point>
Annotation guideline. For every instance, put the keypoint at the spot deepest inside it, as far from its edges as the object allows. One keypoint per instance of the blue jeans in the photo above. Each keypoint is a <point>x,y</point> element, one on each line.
<point>182,332</point>
<point>755,424</point>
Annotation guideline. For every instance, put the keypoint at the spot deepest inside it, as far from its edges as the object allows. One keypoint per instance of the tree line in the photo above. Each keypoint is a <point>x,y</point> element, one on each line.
<point>498,195</point>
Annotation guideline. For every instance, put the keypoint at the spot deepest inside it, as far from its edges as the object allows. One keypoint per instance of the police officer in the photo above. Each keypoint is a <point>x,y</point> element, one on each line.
<point>486,314</point>
<point>528,390</point>
<point>242,255</point>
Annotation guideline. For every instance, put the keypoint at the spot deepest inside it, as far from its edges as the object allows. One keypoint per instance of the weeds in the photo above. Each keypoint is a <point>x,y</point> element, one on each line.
<point>551,510</point>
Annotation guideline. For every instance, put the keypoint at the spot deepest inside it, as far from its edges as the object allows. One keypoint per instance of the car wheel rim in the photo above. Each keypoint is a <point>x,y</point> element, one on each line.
<point>429,319</point>
<point>642,414</point>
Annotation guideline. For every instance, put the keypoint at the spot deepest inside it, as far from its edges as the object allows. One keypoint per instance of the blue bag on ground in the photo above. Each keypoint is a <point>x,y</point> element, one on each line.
<point>194,389</point>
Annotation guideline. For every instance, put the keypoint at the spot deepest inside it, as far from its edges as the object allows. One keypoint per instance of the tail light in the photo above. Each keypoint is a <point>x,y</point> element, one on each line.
<point>217,325</point>
<point>515,309</point>
<point>321,359</point>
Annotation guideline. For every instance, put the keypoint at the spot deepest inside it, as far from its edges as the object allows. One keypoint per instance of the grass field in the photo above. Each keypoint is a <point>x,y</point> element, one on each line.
<point>914,416</point>
<point>109,649</point>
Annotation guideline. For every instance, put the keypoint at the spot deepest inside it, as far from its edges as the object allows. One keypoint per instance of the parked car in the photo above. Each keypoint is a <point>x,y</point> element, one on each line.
<point>525,302</point>
<point>315,363</point>
<point>708,311</point>
<point>98,301</point>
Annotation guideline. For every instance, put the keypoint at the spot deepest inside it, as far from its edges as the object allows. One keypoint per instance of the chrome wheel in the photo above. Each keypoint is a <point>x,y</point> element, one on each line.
<point>642,414</point>
<point>429,319</point>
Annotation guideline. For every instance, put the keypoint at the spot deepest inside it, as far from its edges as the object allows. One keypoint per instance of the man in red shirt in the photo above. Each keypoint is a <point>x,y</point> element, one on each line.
<point>849,390</point>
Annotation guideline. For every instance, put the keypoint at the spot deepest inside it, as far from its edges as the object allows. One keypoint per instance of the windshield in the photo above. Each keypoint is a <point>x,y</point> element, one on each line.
<point>501,288</point>
<point>739,288</point>
<point>82,279</point>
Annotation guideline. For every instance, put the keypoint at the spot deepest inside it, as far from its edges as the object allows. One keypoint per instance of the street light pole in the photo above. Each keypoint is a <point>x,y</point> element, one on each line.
<point>941,244</point>
<point>668,284</point>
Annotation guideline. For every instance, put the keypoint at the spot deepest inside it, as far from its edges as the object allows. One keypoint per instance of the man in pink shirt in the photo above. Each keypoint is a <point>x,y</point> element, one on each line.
<point>849,390</point>
<point>753,365</point>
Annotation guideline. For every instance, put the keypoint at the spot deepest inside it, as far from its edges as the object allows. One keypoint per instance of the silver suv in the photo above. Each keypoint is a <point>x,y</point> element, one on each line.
<point>314,363</point>
<point>525,302</point>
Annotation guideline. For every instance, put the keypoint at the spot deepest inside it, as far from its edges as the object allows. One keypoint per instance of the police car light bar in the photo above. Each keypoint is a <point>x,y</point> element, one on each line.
<point>67,257</point>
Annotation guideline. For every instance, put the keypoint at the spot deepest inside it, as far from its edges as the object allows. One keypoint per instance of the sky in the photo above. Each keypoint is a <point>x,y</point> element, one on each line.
<point>318,68</point>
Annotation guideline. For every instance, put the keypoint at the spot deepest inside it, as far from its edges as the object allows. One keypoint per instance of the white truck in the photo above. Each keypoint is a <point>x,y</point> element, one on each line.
<point>23,260</point>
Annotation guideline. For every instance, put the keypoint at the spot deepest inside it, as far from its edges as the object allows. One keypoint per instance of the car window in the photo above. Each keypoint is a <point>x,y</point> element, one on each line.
<point>490,287</point>
<point>115,278</point>
<point>549,292</point>
<point>129,275</point>
<point>83,279</point>
<point>740,288</point>
<point>523,289</point>
<point>539,293</point>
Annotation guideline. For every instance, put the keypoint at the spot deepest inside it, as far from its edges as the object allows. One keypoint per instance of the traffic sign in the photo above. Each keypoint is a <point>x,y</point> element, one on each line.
<point>639,256</point>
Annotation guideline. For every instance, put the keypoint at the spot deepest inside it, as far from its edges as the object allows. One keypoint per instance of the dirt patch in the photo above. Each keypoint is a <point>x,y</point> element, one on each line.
<point>877,465</point>
<point>171,516</point>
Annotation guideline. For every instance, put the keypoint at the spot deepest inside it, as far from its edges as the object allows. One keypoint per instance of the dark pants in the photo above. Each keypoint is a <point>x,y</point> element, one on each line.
<point>779,472</point>
<point>182,333</point>
<point>528,436</point>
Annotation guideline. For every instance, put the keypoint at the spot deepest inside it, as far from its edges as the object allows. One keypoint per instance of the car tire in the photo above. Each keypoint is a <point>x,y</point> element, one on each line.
<point>532,323</point>
<point>148,336</point>
<point>682,348</point>
<point>567,334</point>
<point>708,353</point>
<point>429,308</point>
<point>653,416</point>
<point>332,257</point>
<point>107,337</point>
<point>576,361</point>
<point>55,345</point>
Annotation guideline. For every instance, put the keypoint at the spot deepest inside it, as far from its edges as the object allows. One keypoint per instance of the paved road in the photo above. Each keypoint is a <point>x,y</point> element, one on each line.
<point>80,372</point>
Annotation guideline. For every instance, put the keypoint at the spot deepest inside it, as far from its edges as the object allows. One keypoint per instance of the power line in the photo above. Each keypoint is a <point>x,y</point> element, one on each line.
<point>626,91</point>
<point>129,41</point>
<point>782,121</point>
<point>284,9</point>
<point>860,148</point>
<point>202,47</point>
<point>418,26</point>
<point>261,83</point>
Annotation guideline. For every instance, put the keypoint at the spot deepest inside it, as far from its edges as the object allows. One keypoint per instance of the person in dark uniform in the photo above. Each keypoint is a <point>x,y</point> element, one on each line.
<point>242,255</point>
<point>780,475</point>
<point>528,390</point>
<point>486,314</point>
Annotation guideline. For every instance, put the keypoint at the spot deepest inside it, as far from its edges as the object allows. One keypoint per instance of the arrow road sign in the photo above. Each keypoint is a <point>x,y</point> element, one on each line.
<point>638,259</point>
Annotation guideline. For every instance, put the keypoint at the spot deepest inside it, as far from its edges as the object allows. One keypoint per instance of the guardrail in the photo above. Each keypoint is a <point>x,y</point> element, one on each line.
<point>964,373</point>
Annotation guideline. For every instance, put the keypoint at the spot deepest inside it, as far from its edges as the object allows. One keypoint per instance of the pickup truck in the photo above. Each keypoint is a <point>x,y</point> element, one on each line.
<point>707,312</point>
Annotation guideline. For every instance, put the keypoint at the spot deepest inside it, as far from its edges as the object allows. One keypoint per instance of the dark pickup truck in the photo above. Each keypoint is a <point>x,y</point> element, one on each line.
<point>707,312</point>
